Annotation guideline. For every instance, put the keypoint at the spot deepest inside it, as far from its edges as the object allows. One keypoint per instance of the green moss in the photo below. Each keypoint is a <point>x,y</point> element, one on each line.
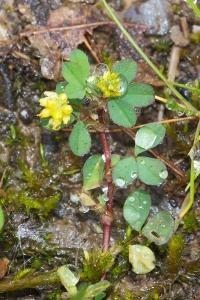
<point>175,248</point>
<point>23,273</point>
<point>36,264</point>
<point>128,295</point>
<point>190,222</point>
<point>153,295</point>
<point>96,264</point>
<point>28,176</point>
<point>30,201</point>
<point>121,267</point>
<point>195,37</point>
<point>162,46</point>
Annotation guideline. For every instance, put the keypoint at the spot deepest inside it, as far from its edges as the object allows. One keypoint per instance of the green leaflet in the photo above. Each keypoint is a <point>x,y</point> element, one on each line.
<point>138,95</point>
<point>125,172</point>
<point>93,172</point>
<point>136,209</point>
<point>159,228</point>
<point>149,136</point>
<point>122,115</point>
<point>79,139</point>
<point>151,171</point>
<point>76,73</point>
<point>127,68</point>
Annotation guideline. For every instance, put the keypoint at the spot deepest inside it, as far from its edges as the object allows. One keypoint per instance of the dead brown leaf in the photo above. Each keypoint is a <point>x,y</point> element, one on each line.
<point>54,47</point>
<point>3,267</point>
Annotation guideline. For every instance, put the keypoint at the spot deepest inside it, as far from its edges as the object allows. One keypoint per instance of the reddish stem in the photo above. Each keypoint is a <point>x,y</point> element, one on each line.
<point>108,215</point>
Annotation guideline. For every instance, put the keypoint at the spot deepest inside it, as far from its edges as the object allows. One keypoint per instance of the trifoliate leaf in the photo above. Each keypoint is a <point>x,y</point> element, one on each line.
<point>150,136</point>
<point>127,68</point>
<point>151,171</point>
<point>136,209</point>
<point>93,172</point>
<point>138,95</point>
<point>159,228</point>
<point>124,172</point>
<point>79,139</point>
<point>121,114</point>
<point>141,258</point>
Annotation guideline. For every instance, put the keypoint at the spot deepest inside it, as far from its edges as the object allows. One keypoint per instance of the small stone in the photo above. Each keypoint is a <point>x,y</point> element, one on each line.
<point>152,13</point>
<point>25,116</point>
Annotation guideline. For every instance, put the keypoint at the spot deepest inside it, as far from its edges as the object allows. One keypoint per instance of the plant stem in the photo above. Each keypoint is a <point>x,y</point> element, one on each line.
<point>108,215</point>
<point>148,61</point>
<point>44,279</point>
<point>185,86</point>
<point>184,211</point>
<point>194,7</point>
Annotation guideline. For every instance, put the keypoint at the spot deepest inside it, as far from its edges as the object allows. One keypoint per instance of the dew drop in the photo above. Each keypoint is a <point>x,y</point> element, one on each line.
<point>101,70</point>
<point>131,199</point>
<point>105,189</point>
<point>123,85</point>
<point>91,79</point>
<point>142,162</point>
<point>103,157</point>
<point>84,209</point>
<point>133,175</point>
<point>120,182</point>
<point>163,174</point>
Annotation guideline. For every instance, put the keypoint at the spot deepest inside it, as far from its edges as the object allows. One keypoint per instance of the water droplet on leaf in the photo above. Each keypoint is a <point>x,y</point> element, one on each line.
<point>103,157</point>
<point>123,85</point>
<point>133,175</point>
<point>120,182</point>
<point>163,174</point>
<point>100,70</point>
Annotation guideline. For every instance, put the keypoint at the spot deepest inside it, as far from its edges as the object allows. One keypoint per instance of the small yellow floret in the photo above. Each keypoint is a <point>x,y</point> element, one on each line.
<point>56,108</point>
<point>109,84</point>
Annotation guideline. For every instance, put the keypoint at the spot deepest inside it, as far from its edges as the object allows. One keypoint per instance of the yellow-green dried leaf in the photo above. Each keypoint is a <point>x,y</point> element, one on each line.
<point>141,258</point>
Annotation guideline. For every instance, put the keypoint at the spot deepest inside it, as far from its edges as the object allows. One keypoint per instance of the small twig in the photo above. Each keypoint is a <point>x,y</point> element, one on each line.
<point>108,215</point>
<point>93,53</point>
<point>120,129</point>
<point>74,27</point>
<point>172,166</point>
<point>174,62</point>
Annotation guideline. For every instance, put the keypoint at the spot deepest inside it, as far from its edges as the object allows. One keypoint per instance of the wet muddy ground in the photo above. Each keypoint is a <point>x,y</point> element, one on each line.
<point>40,180</point>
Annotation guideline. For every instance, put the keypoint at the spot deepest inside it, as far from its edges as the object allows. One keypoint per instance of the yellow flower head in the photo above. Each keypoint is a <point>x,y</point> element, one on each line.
<point>110,84</point>
<point>56,108</point>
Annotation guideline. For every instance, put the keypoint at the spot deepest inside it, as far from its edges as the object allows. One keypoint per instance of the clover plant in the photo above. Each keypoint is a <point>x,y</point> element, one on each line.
<point>90,100</point>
